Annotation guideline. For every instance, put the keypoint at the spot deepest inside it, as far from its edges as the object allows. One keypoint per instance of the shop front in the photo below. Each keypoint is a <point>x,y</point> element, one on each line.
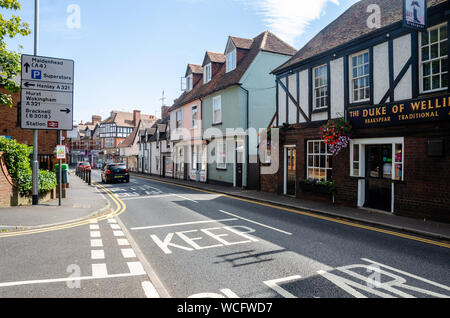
<point>400,158</point>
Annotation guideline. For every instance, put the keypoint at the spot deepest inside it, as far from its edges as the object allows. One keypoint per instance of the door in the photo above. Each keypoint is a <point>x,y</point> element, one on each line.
<point>379,177</point>
<point>239,167</point>
<point>291,176</point>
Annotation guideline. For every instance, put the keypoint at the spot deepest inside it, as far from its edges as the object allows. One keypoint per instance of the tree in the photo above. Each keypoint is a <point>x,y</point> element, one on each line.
<point>10,60</point>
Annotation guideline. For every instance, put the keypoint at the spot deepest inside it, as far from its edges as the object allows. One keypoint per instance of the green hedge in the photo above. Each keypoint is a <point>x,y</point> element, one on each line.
<point>17,160</point>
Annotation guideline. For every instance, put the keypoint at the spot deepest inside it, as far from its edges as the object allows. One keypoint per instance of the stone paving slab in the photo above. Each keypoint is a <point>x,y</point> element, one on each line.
<point>82,201</point>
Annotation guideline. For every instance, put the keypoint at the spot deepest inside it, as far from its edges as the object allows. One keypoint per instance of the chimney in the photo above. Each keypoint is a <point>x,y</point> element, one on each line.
<point>136,117</point>
<point>164,111</point>
<point>96,119</point>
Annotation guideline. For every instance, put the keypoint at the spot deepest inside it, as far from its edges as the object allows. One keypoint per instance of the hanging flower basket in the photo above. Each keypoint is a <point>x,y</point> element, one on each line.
<point>336,134</point>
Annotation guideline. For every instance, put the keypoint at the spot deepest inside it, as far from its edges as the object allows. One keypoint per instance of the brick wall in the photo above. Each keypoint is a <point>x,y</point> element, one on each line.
<point>6,184</point>
<point>10,126</point>
<point>425,190</point>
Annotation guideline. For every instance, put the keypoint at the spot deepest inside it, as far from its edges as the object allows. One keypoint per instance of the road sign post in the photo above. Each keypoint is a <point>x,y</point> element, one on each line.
<point>35,186</point>
<point>47,93</point>
<point>60,156</point>
<point>46,100</point>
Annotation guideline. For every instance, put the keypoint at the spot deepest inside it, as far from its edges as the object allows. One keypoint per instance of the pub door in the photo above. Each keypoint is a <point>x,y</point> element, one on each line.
<point>379,177</point>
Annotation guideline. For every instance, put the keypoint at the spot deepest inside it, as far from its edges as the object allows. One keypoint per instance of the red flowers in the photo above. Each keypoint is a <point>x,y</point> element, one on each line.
<point>335,135</point>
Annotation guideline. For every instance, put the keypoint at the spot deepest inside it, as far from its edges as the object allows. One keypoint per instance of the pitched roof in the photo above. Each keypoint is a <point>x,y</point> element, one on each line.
<point>241,43</point>
<point>214,58</point>
<point>129,141</point>
<point>124,119</point>
<point>351,25</point>
<point>265,41</point>
<point>194,69</point>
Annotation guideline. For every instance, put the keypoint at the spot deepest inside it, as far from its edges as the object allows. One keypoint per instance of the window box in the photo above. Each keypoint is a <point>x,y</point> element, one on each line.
<point>314,186</point>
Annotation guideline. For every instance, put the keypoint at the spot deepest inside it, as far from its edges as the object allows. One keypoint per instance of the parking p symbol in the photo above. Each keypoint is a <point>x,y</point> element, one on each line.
<point>35,74</point>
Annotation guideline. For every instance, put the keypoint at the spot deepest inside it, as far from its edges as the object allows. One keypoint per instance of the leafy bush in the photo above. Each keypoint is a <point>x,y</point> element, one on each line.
<point>17,160</point>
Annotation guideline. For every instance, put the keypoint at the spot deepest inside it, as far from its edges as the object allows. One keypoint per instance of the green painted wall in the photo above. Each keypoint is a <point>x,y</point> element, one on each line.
<point>262,106</point>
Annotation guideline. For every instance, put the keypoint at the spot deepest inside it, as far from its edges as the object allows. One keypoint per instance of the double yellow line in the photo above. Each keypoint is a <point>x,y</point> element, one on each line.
<point>120,208</point>
<point>310,214</point>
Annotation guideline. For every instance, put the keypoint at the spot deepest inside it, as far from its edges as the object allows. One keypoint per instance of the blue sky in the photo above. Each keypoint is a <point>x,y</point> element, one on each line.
<point>127,52</point>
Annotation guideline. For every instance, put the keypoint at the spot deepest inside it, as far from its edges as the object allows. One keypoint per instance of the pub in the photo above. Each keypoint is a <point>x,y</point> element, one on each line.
<point>364,112</point>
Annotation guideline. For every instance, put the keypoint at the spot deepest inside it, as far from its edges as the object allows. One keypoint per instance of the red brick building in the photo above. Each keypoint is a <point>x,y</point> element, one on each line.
<point>391,84</point>
<point>10,128</point>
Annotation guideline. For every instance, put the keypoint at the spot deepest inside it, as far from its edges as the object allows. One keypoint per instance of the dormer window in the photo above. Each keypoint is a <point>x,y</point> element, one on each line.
<point>231,61</point>
<point>207,73</point>
<point>189,82</point>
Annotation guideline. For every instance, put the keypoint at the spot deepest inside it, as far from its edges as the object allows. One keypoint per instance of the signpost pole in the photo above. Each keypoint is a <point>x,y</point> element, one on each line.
<point>35,132</point>
<point>60,169</point>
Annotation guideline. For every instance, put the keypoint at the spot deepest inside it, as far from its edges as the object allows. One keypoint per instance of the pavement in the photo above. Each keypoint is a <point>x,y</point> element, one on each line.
<point>82,202</point>
<point>431,229</point>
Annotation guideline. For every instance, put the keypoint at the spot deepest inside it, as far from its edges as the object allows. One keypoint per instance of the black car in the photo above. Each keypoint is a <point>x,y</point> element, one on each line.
<point>115,172</point>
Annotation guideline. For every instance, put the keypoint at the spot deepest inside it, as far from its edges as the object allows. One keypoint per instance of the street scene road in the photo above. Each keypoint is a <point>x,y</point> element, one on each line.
<point>300,152</point>
<point>202,244</point>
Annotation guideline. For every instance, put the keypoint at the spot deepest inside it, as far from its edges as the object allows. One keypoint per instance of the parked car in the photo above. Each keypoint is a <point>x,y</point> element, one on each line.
<point>82,166</point>
<point>114,172</point>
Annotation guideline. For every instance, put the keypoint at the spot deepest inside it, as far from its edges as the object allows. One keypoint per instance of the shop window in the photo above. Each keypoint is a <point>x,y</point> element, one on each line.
<point>356,161</point>
<point>398,162</point>
<point>319,161</point>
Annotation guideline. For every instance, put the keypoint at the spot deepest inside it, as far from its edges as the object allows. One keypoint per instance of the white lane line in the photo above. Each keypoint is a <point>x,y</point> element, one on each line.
<point>136,268</point>
<point>99,270</point>
<point>118,233</point>
<point>257,223</point>
<point>66,279</point>
<point>180,224</point>
<point>149,290</point>
<point>184,198</point>
<point>96,243</point>
<point>128,253</point>
<point>95,234</point>
<point>93,221</point>
<point>97,254</point>
<point>115,226</point>
<point>274,285</point>
<point>94,227</point>
<point>123,242</point>
<point>111,221</point>
<point>147,197</point>
<point>407,274</point>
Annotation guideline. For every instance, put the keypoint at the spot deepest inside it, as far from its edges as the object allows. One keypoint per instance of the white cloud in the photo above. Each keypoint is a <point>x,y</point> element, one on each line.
<point>289,19</point>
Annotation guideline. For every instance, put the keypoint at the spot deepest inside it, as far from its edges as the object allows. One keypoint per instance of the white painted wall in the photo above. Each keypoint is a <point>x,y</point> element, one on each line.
<point>337,88</point>
<point>304,97</point>
<point>293,90</point>
<point>402,53</point>
<point>380,71</point>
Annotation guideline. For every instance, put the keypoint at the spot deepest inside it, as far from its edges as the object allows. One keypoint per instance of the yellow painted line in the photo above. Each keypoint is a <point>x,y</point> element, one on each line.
<point>310,214</point>
<point>121,207</point>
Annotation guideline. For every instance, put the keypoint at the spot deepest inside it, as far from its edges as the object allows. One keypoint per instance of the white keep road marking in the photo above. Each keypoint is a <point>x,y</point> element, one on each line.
<point>181,224</point>
<point>257,223</point>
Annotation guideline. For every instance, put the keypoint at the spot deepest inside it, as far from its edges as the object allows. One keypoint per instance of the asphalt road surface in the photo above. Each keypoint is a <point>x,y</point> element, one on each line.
<point>202,244</point>
<point>172,241</point>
